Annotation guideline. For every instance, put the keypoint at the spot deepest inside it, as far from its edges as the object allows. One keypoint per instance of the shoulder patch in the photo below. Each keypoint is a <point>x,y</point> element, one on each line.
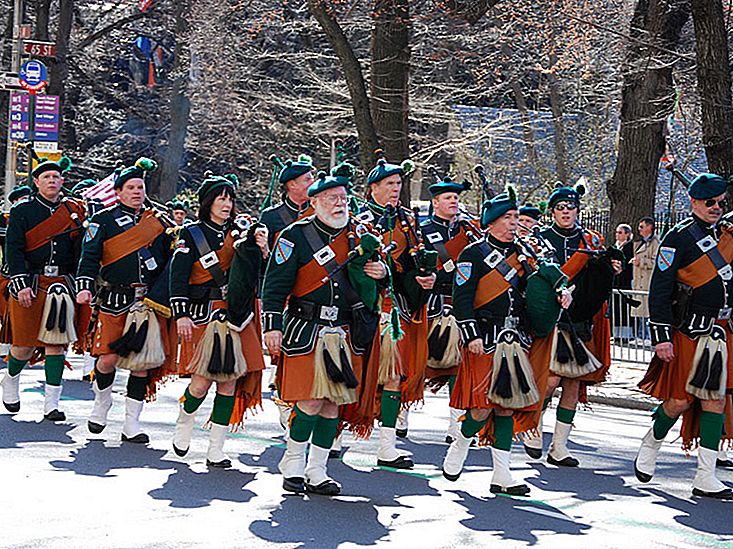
<point>91,232</point>
<point>434,237</point>
<point>463,272</point>
<point>665,258</point>
<point>283,250</point>
<point>181,246</point>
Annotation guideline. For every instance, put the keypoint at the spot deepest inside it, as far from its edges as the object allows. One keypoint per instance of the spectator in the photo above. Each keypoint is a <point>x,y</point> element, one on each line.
<point>622,281</point>
<point>645,255</point>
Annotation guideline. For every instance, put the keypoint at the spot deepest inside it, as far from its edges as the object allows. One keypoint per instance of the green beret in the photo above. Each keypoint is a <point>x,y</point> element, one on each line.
<point>535,212</point>
<point>19,192</point>
<point>494,208</point>
<point>384,169</point>
<point>216,184</point>
<point>566,194</point>
<point>176,204</point>
<point>45,165</point>
<point>83,185</point>
<point>707,185</point>
<point>292,169</point>
<point>135,172</point>
<point>446,186</point>
<point>340,176</point>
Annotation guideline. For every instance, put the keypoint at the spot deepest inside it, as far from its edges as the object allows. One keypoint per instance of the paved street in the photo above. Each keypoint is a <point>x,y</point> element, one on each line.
<point>63,487</point>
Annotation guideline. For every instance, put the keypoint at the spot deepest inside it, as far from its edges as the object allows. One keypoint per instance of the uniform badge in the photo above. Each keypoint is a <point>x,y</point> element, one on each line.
<point>595,241</point>
<point>434,237</point>
<point>124,220</point>
<point>361,230</point>
<point>91,232</point>
<point>324,255</point>
<point>463,273</point>
<point>283,250</point>
<point>665,258</point>
<point>366,216</point>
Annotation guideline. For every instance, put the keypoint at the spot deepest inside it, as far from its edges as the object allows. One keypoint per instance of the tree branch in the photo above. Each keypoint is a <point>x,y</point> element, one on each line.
<point>113,26</point>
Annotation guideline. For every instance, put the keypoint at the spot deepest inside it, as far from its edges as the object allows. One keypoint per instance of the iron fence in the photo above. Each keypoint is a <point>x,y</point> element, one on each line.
<point>631,340</point>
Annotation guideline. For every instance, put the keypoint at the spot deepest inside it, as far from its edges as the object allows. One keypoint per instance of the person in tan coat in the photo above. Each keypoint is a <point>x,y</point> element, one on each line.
<point>645,256</point>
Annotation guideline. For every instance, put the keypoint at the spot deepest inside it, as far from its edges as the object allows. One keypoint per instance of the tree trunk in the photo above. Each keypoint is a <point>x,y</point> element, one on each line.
<point>59,70</point>
<point>469,10</point>
<point>561,150</point>
<point>354,76</point>
<point>647,100</point>
<point>43,10</point>
<point>713,84</point>
<point>527,130</point>
<point>390,71</point>
<point>180,108</point>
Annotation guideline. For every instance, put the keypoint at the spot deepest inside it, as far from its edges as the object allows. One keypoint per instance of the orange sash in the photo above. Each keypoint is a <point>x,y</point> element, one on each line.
<point>305,213</point>
<point>131,240</point>
<point>199,275</point>
<point>493,283</point>
<point>56,223</point>
<point>310,276</point>
<point>701,271</point>
<point>578,260</point>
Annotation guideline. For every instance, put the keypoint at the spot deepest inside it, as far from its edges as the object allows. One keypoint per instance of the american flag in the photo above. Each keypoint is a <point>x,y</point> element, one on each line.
<point>103,192</point>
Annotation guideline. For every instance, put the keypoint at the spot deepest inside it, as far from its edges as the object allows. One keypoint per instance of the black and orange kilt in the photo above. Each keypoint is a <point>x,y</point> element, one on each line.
<point>25,323</point>
<point>109,327</point>
<point>668,380</point>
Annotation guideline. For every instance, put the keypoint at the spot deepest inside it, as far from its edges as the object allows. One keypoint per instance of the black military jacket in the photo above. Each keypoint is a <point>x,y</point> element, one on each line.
<point>276,218</point>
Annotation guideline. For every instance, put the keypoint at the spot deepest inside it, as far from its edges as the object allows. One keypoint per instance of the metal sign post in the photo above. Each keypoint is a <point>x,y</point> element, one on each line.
<point>32,77</point>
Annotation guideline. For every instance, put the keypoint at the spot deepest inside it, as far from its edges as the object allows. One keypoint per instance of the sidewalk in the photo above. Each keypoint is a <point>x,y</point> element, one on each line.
<point>620,389</point>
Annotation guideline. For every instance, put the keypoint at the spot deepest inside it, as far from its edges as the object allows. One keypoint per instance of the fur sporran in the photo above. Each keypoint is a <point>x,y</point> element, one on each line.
<point>333,372</point>
<point>444,343</point>
<point>218,354</point>
<point>57,322</point>
<point>570,357</point>
<point>141,345</point>
<point>389,356</point>
<point>709,374</point>
<point>512,380</point>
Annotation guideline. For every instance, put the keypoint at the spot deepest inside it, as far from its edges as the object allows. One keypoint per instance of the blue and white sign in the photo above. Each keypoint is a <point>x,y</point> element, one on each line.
<point>33,76</point>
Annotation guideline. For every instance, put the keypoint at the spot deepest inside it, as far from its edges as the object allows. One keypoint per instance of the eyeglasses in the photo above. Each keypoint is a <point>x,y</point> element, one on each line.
<point>722,203</point>
<point>334,199</point>
<point>569,206</point>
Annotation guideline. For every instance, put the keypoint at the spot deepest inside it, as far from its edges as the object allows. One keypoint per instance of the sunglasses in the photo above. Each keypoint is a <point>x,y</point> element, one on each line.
<point>710,202</point>
<point>566,206</point>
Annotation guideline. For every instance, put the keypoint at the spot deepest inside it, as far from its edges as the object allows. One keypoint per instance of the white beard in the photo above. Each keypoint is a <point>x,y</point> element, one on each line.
<point>334,221</point>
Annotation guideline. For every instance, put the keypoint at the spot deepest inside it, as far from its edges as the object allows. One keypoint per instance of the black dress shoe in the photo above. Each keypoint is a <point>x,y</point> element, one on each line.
<point>325,488</point>
<point>223,464</point>
<point>294,484</point>
<point>12,408</point>
<point>519,490</point>
<point>641,476</point>
<point>180,452</point>
<point>86,377</point>
<point>95,428</point>
<point>401,433</point>
<point>55,415</point>
<point>450,477</point>
<point>334,454</point>
<point>724,463</point>
<point>140,438</point>
<point>723,494</point>
<point>565,462</point>
<point>534,453</point>
<point>402,462</point>
<point>448,439</point>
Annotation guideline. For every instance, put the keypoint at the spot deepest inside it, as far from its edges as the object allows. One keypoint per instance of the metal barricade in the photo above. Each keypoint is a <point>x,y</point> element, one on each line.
<point>630,337</point>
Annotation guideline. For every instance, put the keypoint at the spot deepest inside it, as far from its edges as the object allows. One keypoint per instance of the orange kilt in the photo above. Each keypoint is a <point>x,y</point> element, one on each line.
<point>669,380</point>
<point>109,328</point>
<point>25,323</point>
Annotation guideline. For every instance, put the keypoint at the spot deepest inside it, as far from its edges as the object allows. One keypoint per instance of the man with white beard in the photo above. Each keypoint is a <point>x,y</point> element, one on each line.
<point>319,367</point>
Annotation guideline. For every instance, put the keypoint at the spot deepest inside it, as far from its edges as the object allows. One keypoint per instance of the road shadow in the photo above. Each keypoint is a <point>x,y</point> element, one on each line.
<point>516,518</point>
<point>97,459</point>
<point>585,484</point>
<point>701,514</point>
<point>320,522</point>
<point>187,489</point>
<point>14,433</point>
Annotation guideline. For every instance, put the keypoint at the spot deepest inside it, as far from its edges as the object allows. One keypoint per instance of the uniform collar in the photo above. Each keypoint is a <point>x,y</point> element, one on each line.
<point>330,231</point>
<point>293,206</point>
<point>565,233</point>
<point>131,210</point>
<point>47,202</point>
<point>440,221</point>
<point>496,243</point>
<point>213,226</point>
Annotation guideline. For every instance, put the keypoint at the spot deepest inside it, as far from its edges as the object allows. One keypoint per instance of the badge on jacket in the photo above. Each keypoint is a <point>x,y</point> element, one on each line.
<point>91,232</point>
<point>463,273</point>
<point>665,258</point>
<point>283,251</point>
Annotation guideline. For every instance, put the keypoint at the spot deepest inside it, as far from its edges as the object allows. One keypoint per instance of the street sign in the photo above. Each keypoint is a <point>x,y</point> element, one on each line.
<point>33,76</point>
<point>38,48</point>
<point>48,147</point>
<point>46,119</point>
<point>24,31</point>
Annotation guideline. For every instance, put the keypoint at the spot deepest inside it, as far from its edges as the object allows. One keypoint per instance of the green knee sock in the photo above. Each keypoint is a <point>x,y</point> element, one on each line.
<point>711,430</point>
<point>503,432</point>
<point>190,402</point>
<point>451,384</point>
<point>391,401</point>
<point>564,415</point>
<point>662,423</point>
<point>470,426</point>
<point>301,425</point>
<point>54,369</point>
<point>15,366</point>
<point>546,403</point>
<point>223,407</point>
<point>325,432</point>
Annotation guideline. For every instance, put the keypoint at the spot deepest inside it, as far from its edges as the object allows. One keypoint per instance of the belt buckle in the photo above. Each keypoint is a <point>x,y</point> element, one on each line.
<point>209,260</point>
<point>51,270</point>
<point>724,313</point>
<point>140,291</point>
<point>511,323</point>
<point>329,313</point>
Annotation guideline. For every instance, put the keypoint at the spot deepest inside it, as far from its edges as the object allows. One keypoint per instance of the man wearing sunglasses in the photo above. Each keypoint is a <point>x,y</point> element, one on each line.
<point>581,344</point>
<point>690,318</point>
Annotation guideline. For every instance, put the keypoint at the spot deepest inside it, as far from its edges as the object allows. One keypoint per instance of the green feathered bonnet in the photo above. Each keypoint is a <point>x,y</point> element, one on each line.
<point>177,204</point>
<point>535,212</point>
<point>707,185</point>
<point>137,171</point>
<point>494,208</point>
<point>216,184</point>
<point>340,176</point>
<point>19,192</point>
<point>564,193</point>
<point>83,185</point>
<point>295,168</point>
<point>61,165</point>
<point>384,169</point>
<point>447,185</point>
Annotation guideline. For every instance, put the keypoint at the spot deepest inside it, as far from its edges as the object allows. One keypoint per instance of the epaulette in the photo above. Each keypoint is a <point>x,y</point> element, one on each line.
<point>683,224</point>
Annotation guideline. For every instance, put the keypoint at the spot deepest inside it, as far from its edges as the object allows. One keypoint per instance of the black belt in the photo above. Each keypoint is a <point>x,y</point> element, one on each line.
<point>446,288</point>
<point>59,271</point>
<point>307,310</point>
<point>718,314</point>
<point>200,294</point>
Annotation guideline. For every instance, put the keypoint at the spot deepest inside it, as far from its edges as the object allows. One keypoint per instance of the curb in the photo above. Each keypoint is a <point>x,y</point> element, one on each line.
<point>623,402</point>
